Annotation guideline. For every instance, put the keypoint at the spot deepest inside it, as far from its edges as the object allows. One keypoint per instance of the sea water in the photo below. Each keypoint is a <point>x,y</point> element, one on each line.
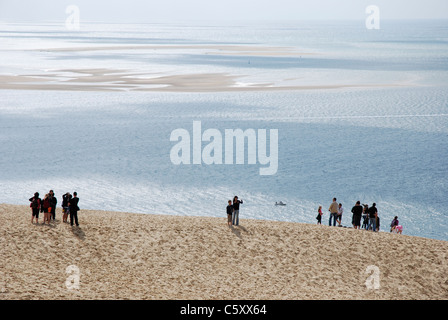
<point>384,143</point>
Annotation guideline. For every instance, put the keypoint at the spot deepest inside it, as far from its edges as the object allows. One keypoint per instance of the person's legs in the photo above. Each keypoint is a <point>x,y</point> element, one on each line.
<point>235,217</point>
<point>67,213</point>
<point>334,217</point>
<point>358,222</point>
<point>34,213</point>
<point>372,224</point>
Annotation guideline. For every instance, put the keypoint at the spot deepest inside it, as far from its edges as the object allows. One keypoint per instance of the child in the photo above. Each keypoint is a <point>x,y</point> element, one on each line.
<point>229,213</point>
<point>394,224</point>
<point>339,216</point>
<point>319,215</point>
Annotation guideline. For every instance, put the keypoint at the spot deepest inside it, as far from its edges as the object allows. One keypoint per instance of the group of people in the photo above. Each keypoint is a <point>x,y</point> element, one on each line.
<point>336,211</point>
<point>47,206</point>
<point>364,217</point>
<point>233,211</point>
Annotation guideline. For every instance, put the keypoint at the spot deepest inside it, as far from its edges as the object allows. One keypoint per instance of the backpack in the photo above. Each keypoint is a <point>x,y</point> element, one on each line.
<point>35,203</point>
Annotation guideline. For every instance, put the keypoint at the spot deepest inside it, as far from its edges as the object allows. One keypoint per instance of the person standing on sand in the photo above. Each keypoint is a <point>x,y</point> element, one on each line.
<point>73,204</point>
<point>394,224</point>
<point>333,212</point>
<point>65,207</point>
<point>340,212</point>
<point>45,208</point>
<point>319,215</point>
<point>365,216</point>
<point>236,210</point>
<point>35,207</point>
<point>229,213</point>
<point>357,213</point>
<point>53,203</point>
<point>373,213</point>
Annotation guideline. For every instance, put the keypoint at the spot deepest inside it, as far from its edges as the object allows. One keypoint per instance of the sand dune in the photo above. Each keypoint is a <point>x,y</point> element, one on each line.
<point>146,256</point>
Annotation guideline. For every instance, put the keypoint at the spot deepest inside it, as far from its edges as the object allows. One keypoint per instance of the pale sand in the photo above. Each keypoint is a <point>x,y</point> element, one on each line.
<point>240,50</point>
<point>105,79</point>
<point>123,80</point>
<point>146,256</point>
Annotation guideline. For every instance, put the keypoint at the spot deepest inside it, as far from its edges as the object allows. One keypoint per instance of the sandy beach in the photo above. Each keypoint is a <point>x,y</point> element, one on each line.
<point>146,256</point>
<point>114,79</point>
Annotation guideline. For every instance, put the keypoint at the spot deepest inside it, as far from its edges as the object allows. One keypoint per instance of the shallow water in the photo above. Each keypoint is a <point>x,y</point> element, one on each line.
<point>384,144</point>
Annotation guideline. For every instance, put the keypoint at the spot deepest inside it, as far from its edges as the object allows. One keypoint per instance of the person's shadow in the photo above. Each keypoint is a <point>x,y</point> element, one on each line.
<point>77,231</point>
<point>47,225</point>
<point>237,230</point>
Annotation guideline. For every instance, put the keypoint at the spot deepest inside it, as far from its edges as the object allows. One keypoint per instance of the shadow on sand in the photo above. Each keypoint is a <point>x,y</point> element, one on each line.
<point>78,232</point>
<point>237,230</point>
<point>51,225</point>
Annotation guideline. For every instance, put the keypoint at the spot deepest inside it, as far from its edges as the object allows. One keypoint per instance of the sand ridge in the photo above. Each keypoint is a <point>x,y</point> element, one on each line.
<point>124,80</point>
<point>157,257</point>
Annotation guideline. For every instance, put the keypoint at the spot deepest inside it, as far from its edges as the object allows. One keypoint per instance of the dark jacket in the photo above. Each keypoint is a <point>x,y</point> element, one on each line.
<point>74,204</point>
<point>53,202</point>
<point>372,212</point>
<point>229,209</point>
<point>236,204</point>
<point>357,210</point>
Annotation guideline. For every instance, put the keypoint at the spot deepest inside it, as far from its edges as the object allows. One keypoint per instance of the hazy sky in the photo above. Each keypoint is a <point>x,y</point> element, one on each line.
<point>223,10</point>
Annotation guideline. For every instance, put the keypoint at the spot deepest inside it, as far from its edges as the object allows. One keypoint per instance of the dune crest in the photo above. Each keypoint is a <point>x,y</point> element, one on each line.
<point>117,255</point>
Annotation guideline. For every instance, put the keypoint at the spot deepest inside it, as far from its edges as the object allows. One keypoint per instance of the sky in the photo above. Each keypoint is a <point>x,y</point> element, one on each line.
<point>147,11</point>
